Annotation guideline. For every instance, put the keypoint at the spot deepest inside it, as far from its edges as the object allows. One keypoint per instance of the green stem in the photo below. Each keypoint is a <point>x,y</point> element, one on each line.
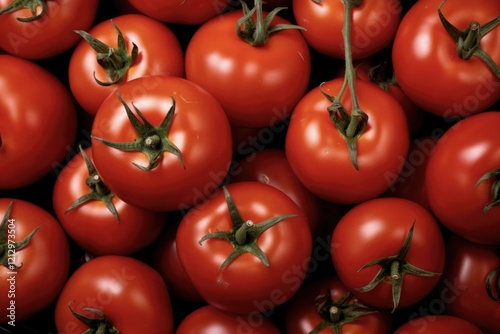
<point>241,234</point>
<point>31,5</point>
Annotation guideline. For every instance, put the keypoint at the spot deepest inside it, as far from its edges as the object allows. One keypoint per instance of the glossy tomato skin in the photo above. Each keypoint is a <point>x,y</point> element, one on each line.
<point>437,324</point>
<point>428,68</point>
<point>318,154</point>
<point>376,229</point>
<point>374,25</point>
<point>467,266</point>
<point>49,36</point>
<point>161,55</point>
<point>92,226</point>
<point>39,122</point>
<point>44,261</point>
<point>256,86</point>
<point>131,294</point>
<point>472,145</point>
<point>246,285</point>
<point>208,319</point>
<point>199,129</point>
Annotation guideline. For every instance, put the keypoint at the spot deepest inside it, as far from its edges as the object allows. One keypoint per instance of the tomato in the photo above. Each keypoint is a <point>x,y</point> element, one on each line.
<point>394,242</point>
<point>98,229</point>
<point>429,69</point>
<point>189,152</point>
<point>34,259</point>
<point>456,196</point>
<point>438,324</point>
<point>38,122</point>
<point>88,78</point>
<point>247,249</point>
<point>119,291</point>
<point>208,319</point>
<point>340,313</point>
<point>468,266</point>
<point>318,152</point>
<point>47,33</point>
<point>257,86</point>
<point>374,25</point>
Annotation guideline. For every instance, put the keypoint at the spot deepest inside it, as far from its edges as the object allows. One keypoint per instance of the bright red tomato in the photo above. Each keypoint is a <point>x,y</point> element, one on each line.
<point>49,31</point>
<point>35,260</point>
<point>120,291</point>
<point>462,156</point>
<point>438,324</point>
<point>161,55</point>
<point>318,153</point>
<point>247,249</point>
<point>38,122</point>
<point>428,67</point>
<point>399,231</point>
<point>182,160</point>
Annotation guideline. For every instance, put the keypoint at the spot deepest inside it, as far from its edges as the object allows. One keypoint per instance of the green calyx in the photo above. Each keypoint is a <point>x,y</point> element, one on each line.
<point>469,40</point>
<point>336,314</point>
<point>257,32</point>
<point>8,246</point>
<point>98,190</point>
<point>495,188</point>
<point>97,325</point>
<point>115,61</point>
<point>395,268</point>
<point>244,233</point>
<point>151,140</point>
<point>32,5</point>
<point>492,288</point>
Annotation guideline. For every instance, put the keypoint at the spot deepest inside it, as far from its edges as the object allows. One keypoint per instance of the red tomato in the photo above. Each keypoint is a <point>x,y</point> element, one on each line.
<point>318,153</point>
<point>378,229</point>
<point>38,122</point>
<point>257,86</point>
<point>437,324</point>
<point>91,224</point>
<point>456,196</point>
<point>123,291</point>
<point>195,151</point>
<point>373,25</point>
<point>47,33</point>
<point>33,274</point>
<point>161,55</point>
<point>428,67</point>
<point>209,319</point>
<point>262,267</point>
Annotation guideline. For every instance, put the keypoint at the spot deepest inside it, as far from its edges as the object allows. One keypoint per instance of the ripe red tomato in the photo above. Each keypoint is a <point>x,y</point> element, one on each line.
<point>161,55</point>
<point>381,229</point>
<point>455,195</point>
<point>38,122</point>
<point>120,290</point>
<point>47,33</point>
<point>255,269</point>
<point>195,151</point>
<point>35,263</point>
<point>428,67</point>
<point>437,324</point>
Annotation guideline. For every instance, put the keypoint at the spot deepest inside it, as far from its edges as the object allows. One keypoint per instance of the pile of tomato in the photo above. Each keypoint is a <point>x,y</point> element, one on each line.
<point>287,166</point>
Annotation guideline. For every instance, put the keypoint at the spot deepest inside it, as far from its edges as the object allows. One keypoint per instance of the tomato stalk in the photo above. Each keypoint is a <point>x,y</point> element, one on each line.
<point>492,290</point>
<point>97,325</point>
<point>494,190</point>
<point>32,5</point>
<point>244,233</point>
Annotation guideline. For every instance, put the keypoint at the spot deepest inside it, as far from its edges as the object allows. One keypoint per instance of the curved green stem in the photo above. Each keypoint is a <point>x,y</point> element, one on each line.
<point>98,324</point>
<point>494,190</point>
<point>31,5</point>
<point>492,290</point>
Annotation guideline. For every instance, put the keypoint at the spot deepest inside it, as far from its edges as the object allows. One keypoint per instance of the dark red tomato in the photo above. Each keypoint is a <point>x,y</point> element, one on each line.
<point>374,24</point>
<point>38,122</point>
<point>462,156</point>
<point>92,224</point>
<point>33,271</point>
<point>257,86</point>
<point>378,229</point>
<point>161,55</point>
<point>305,312</point>
<point>428,67</point>
<point>437,324</point>
<point>49,31</point>
<point>187,154</point>
<point>259,267</point>
<point>209,319</point>
<point>125,292</point>
<point>318,153</point>
<point>468,266</point>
